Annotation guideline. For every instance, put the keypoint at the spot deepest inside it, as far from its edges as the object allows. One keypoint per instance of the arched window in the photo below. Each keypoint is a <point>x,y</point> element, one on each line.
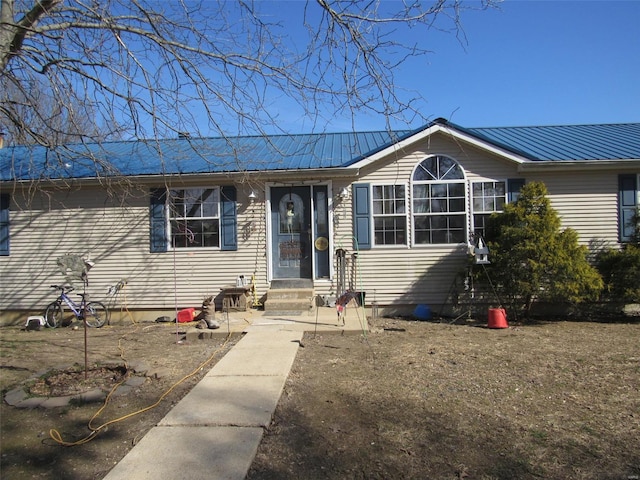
<point>439,212</point>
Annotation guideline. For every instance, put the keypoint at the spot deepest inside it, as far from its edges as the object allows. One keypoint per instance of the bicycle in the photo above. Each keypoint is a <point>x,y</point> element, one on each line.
<point>94,313</point>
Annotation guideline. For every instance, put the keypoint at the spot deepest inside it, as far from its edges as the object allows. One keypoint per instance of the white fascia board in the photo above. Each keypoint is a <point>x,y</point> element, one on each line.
<point>403,144</point>
<point>154,179</point>
<point>567,165</point>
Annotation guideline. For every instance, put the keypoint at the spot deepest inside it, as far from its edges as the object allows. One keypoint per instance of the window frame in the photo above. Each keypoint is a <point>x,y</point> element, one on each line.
<point>170,218</point>
<point>485,213</point>
<point>404,215</point>
<point>462,215</point>
<point>5,225</point>
<point>627,210</point>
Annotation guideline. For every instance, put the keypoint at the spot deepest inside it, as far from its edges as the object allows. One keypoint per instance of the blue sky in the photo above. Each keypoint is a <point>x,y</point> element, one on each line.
<point>539,63</point>
<point>526,63</point>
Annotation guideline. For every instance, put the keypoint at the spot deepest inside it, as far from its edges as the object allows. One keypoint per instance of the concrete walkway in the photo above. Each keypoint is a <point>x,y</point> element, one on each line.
<point>214,431</point>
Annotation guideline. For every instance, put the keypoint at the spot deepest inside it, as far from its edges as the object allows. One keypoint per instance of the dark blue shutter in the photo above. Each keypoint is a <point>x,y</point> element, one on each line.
<point>361,216</point>
<point>229,220</point>
<point>158,222</point>
<point>627,205</point>
<point>4,224</point>
<point>513,189</point>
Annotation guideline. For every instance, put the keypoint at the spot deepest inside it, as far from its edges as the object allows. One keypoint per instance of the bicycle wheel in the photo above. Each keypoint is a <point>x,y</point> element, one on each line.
<point>53,315</point>
<point>97,314</point>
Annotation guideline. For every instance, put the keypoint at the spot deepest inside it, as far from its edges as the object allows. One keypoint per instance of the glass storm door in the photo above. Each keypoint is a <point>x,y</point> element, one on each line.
<point>291,232</point>
<point>321,231</point>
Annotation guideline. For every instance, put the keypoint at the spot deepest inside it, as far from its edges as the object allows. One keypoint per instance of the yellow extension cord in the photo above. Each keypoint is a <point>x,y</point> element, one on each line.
<point>55,435</point>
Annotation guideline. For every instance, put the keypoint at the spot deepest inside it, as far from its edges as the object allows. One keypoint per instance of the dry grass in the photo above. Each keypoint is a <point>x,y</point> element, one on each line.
<point>426,400</point>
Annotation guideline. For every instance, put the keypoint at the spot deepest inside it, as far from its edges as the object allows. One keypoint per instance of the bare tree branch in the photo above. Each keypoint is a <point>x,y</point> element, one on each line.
<point>148,69</point>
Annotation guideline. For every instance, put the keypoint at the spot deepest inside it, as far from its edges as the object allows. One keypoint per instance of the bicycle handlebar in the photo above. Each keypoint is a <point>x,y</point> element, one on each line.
<point>62,288</point>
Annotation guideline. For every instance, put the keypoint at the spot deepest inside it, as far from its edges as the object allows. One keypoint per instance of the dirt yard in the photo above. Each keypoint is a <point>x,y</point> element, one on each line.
<point>161,359</point>
<point>408,400</point>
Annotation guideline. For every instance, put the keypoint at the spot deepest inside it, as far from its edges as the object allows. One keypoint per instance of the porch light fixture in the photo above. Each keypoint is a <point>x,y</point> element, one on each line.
<point>252,196</point>
<point>344,193</point>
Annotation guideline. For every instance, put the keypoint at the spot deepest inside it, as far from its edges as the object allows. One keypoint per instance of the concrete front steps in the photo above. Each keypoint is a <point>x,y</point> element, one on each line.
<point>293,297</point>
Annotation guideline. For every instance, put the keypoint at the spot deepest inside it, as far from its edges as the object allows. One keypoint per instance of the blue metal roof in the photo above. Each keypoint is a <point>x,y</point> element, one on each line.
<point>567,142</point>
<point>299,152</point>
<point>191,155</point>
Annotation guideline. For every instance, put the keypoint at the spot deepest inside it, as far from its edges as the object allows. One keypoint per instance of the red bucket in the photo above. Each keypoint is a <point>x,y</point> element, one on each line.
<point>186,315</point>
<point>497,318</point>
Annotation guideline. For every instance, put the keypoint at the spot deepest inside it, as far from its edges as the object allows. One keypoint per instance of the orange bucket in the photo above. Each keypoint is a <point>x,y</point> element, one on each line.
<point>497,318</point>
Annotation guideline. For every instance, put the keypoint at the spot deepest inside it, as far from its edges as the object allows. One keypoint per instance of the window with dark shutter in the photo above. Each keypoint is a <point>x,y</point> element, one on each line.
<point>628,206</point>
<point>158,221</point>
<point>361,216</point>
<point>5,201</point>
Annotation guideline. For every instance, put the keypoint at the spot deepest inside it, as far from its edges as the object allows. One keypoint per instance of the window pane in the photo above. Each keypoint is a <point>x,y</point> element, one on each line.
<point>210,203</point>
<point>489,205</point>
<point>456,221</point>
<point>439,236</point>
<point>456,205</point>
<point>420,191</point>
<point>438,205</point>
<point>427,170</point>
<point>439,190</point>
<point>456,236</point>
<point>451,171</point>
<point>421,206</point>
<point>456,189</point>
<point>389,207</point>
<point>439,222</point>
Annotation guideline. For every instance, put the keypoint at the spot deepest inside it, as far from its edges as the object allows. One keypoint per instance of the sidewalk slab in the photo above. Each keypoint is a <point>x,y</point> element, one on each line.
<point>272,361</point>
<point>237,401</point>
<point>190,453</point>
<point>267,353</point>
<point>270,339</point>
<point>215,430</point>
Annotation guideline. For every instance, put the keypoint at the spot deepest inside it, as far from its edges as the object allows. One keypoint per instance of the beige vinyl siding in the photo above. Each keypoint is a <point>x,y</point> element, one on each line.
<point>342,217</point>
<point>401,276</point>
<point>586,202</point>
<point>116,236</point>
